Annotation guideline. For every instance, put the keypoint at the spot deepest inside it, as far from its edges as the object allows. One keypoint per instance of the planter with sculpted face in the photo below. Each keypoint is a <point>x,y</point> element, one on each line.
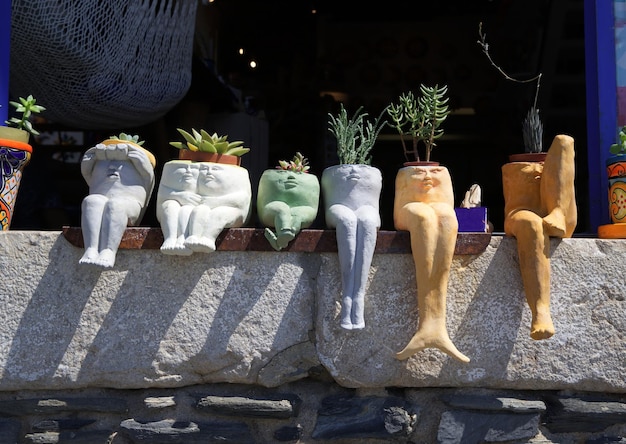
<point>287,200</point>
<point>196,201</point>
<point>120,175</point>
<point>351,206</point>
<point>424,206</point>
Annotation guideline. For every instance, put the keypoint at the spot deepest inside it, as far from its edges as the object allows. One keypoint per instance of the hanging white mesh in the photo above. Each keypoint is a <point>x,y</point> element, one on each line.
<point>101,64</point>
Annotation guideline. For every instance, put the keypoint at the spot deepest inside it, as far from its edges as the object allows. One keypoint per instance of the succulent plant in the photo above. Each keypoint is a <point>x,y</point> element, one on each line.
<point>420,118</point>
<point>210,143</point>
<point>299,164</point>
<point>355,135</point>
<point>128,137</point>
<point>619,148</point>
<point>27,106</point>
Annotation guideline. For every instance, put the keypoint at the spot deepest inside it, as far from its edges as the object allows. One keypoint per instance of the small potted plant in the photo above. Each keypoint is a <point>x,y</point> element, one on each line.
<point>418,120</point>
<point>351,192</point>
<point>287,200</point>
<point>205,147</point>
<point>15,153</point>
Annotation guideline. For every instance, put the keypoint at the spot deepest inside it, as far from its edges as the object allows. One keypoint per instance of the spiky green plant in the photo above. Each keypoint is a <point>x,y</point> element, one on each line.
<point>355,135</point>
<point>419,119</point>
<point>27,106</point>
<point>299,164</point>
<point>211,143</point>
<point>532,130</point>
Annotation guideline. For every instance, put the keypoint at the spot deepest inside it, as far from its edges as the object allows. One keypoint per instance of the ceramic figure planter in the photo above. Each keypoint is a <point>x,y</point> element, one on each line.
<point>15,153</point>
<point>351,205</point>
<point>424,206</point>
<point>196,201</point>
<point>120,175</point>
<point>286,201</point>
<point>539,203</point>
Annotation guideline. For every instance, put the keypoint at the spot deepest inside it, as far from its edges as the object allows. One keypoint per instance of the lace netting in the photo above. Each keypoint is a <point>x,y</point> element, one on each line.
<point>102,64</point>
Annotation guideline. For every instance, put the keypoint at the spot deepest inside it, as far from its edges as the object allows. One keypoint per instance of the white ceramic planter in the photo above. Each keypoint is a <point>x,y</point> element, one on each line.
<point>351,206</point>
<point>120,175</point>
<point>196,201</point>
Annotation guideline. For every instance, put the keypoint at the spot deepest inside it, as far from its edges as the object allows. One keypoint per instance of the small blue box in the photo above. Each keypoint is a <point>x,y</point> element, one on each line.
<point>472,220</point>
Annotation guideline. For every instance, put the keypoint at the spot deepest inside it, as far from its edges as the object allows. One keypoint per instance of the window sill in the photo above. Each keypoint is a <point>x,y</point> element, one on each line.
<point>311,241</point>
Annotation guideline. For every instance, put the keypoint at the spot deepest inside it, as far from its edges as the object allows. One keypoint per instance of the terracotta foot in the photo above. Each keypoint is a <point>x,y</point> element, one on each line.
<point>554,223</point>
<point>422,340</point>
<point>541,326</point>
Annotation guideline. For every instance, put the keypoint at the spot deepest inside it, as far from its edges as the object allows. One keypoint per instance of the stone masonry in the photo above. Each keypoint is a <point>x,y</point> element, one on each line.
<point>245,346</point>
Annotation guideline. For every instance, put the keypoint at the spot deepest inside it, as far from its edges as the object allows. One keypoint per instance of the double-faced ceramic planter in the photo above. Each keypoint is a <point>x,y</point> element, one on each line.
<point>200,195</point>
<point>15,153</point>
<point>287,201</point>
<point>351,195</point>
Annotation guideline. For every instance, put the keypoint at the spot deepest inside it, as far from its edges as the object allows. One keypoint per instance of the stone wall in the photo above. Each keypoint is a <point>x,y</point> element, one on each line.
<point>245,346</point>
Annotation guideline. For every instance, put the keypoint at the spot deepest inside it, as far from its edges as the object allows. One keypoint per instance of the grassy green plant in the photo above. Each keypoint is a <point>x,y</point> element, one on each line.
<point>27,107</point>
<point>299,164</point>
<point>355,135</point>
<point>211,143</point>
<point>419,119</point>
<point>619,148</point>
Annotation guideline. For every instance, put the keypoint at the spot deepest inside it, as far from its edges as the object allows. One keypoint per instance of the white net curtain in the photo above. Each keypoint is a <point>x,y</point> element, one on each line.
<point>102,64</point>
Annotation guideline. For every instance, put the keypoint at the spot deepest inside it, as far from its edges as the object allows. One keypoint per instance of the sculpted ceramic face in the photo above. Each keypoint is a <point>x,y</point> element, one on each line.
<point>429,177</point>
<point>180,176</point>
<point>110,170</point>
<point>214,178</point>
<point>352,185</point>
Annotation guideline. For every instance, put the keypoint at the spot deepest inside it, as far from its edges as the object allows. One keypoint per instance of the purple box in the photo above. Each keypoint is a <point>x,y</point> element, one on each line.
<point>472,219</point>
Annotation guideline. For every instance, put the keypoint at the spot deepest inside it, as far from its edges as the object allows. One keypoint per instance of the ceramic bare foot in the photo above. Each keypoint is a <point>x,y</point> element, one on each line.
<point>272,239</point>
<point>89,257</point>
<point>424,339</point>
<point>346,312</point>
<point>200,244</point>
<point>175,247</point>
<point>106,258</point>
<point>554,223</point>
<point>285,236</point>
<point>541,326</point>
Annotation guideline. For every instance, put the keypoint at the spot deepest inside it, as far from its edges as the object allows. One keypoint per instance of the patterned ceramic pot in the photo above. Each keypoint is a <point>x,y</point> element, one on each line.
<point>14,156</point>
<point>616,172</point>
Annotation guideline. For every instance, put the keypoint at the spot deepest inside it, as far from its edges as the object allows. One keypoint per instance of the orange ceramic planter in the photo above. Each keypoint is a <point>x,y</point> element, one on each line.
<point>203,156</point>
<point>14,156</point>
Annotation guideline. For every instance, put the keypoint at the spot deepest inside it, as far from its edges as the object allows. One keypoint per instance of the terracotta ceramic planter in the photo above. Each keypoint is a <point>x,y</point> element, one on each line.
<point>14,156</point>
<point>203,156</point>
<point>528,157</point>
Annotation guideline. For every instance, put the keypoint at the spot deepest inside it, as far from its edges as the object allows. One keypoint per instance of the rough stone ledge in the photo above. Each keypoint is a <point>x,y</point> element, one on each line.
<point>268,318</point>
<point>308,240</point>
